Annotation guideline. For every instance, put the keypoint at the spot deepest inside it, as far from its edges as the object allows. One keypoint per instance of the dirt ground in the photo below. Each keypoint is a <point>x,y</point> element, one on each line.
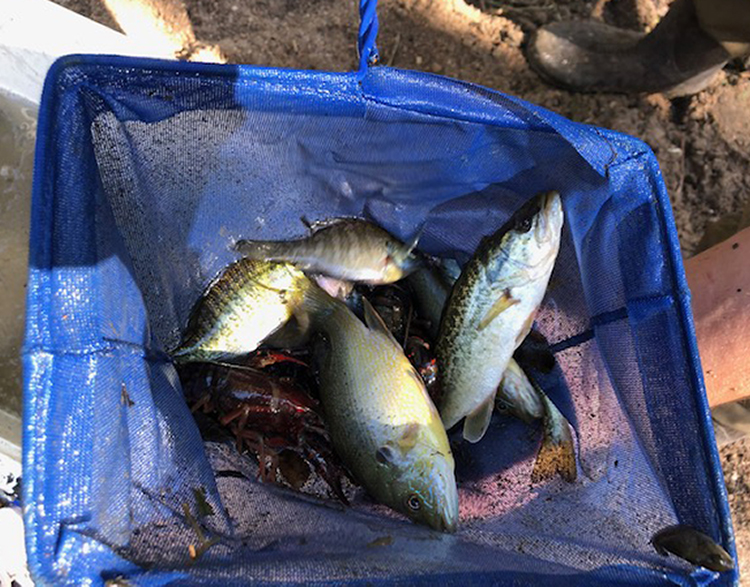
<point>702,143</point>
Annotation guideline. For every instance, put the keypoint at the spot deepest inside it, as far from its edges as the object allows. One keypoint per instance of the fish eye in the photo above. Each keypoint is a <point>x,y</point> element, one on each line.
<point>413,502</point>
<point>524,225</point>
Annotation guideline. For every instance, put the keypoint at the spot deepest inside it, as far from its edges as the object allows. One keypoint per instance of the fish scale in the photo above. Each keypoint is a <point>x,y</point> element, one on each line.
<point>346,248</point>
<point>249,301</point>
<point>491,309</point>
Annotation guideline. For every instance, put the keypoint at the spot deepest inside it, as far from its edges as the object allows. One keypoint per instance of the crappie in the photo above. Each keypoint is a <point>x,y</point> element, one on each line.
<point>521,398</point>
<point>350,249</point>
<point>491,309</point>
<point>382,422</point>
<point>249,301</point>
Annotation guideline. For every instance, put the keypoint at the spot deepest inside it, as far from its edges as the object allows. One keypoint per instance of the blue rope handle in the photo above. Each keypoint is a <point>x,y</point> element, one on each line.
<point>368,32</point>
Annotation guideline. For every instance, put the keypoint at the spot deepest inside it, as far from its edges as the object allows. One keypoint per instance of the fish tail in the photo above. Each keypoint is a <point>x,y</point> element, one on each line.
<point>318,306</point>
<point>294,334</point>
<point>183,353</point>
<point>259,250</point>
<point>557,454</point>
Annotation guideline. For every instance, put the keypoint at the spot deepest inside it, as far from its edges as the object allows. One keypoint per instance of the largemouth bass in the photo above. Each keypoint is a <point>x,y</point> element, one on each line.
<point>350,249</point>
<point>381,420</point>
<point>491,309</point>
<point>249,301</point>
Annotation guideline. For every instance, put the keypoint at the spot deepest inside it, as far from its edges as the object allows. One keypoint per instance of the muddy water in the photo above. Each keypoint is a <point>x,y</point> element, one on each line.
<point>17,133</point>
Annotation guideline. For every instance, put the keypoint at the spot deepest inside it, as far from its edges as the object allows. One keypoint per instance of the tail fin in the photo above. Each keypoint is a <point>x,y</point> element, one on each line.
<point>261,250</point>
<point>318,307</point>
<point>293,334</point>
<point>557,455</point>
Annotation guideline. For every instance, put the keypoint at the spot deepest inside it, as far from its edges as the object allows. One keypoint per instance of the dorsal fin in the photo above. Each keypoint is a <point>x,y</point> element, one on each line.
<point>375,322</point>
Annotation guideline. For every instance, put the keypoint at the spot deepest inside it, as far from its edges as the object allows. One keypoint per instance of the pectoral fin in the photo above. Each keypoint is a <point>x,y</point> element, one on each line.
<point>476,423</point>
<point>292,334</point>
<point>408,438</point>
<point>504,302</point>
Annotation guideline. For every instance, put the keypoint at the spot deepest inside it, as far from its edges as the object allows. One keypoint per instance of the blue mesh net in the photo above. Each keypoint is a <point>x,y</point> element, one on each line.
<point>147,172</point>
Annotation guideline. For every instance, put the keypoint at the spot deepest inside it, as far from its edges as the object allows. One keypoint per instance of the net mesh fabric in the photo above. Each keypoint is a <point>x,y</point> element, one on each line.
<point>150,172</point>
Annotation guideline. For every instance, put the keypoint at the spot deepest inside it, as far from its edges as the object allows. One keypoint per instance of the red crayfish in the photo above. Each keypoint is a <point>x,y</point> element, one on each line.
<point>272,416</point>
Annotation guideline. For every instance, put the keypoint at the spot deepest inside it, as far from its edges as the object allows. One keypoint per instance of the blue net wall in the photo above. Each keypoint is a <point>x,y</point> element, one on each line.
<point>148,171</point>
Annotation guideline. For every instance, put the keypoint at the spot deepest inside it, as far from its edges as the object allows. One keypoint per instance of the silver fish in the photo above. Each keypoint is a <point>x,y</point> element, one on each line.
<point>351,249</point>
<point>382,422</point>
<point>491,309</point>
<point>516,395</point>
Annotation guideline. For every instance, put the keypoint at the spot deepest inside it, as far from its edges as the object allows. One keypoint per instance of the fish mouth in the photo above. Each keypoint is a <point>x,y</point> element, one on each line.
<point>448,515</point>
<point>550,206</point>
<point>445,518</point>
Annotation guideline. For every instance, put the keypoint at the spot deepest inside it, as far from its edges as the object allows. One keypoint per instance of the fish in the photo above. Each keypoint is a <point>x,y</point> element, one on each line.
<point>491,309</point>
<point>693,546</point>
<point>350,249</point>
<point>431,287</point>
<point>249,301</point>
<point>517,396</point>
<point>557,455</point>
<point>382,423</point>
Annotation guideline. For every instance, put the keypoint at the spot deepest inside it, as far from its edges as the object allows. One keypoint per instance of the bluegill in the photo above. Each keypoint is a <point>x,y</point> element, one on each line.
<point>491,309</point>
<point>350,249</point>
<point>382,422</point>
<point>693,546</point>
<point>249,301</point>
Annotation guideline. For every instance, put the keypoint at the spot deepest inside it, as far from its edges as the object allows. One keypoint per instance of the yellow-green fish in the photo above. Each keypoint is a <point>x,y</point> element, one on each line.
<point>382,422</point>
<point>351,249</point>
<point>249,301</point>
<point>491,309</point>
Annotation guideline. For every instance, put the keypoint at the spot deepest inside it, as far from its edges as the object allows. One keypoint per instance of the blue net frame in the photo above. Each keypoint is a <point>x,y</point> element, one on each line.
<point>145,172</point>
